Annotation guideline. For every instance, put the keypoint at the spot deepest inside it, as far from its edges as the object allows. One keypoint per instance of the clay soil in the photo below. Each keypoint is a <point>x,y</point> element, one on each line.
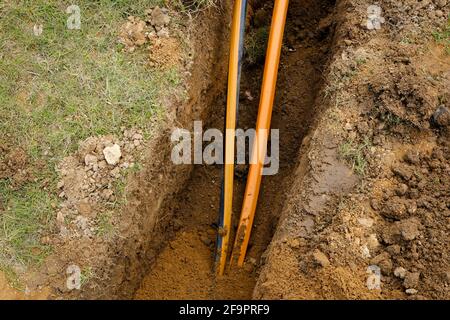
<point>185,267</point>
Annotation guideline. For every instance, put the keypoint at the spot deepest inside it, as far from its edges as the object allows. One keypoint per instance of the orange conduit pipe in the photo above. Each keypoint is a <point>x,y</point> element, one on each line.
<point>262,131</point>
<point>234,72</point>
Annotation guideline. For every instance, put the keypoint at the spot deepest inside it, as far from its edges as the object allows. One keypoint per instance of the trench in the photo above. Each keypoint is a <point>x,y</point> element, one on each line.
<point>183,268</point>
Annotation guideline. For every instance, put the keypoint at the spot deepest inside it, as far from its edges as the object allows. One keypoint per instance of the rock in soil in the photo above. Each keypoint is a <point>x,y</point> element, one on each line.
<point>112,154</point>
<point>320,258</point>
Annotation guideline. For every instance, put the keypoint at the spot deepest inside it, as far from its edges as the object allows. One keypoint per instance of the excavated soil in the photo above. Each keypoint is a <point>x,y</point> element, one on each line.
<point>360,207</point>
<point>184,268</point>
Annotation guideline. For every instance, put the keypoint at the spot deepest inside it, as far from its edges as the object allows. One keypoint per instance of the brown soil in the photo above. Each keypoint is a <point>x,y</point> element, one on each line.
<point>184,269</point>
<point>7,292</point>
<point>388,98</point>
<point>365,128</point>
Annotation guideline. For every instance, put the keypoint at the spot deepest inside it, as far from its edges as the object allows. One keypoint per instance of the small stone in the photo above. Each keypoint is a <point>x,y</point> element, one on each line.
<point>112,154</point>
<point>60,184</point>
<point>402,172</point>
<point>366,222</point>
<point>447,276</point>
<point>411,280</point>
<point>294,243</point>
<point>441,3</point>
<point>365,252</point>
<point>249,96</point>
<point>45,240</point>
<point>60,217</point>
<point>375,204</point>
<point>81,222</point>
<point>102,164</point>
<point>320,258</point>
<point>158,18</point>
<point>401,189</point>
<point>90,160</point>
<point>439,13</point>
<point>107,194</point>
<point>372,241</point>
<point>412,207</point>
<point>84,208</point>
<point>400,272</point>
<point>163,33</point>
<point>63,232</point>
<point>409,228</point>
<point>363,127</point>
<point>441,117</point>
<point>383,260</point>
<point>115,173</point>
<point>411,291</point>
<point>394,249</point>
<point>412,157</point>
<point>394,208</point>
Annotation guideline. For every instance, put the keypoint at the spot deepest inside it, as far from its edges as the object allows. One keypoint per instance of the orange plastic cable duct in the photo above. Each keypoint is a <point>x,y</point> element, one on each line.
<point>235,63</point>
<point>262,131</point>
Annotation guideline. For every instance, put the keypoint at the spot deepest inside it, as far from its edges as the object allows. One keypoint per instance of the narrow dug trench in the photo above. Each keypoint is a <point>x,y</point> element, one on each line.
<point>184,267</point>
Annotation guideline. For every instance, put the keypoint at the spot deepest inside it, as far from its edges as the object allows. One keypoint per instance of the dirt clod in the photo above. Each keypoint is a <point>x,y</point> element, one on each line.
<point>394,208</point>
<point>321,259</point>
<point>409,228</point>
<point>400,272</point>
<point>411,280</point>
<point>441,117</point>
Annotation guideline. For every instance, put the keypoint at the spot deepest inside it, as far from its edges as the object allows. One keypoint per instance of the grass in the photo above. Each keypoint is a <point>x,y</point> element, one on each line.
<point>27,213</point>
<point>443,36</point>
<point>87,274</point>
<point>105,228</point>
<point>59,88</point>
<point>12,278</point>
<point>192,6</point>
<point>354,154</point>
<point>256,44</point>
<point>391,119</point>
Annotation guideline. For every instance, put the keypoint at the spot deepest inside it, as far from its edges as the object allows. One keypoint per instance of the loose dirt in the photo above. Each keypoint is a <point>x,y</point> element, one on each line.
<point>185,267</point>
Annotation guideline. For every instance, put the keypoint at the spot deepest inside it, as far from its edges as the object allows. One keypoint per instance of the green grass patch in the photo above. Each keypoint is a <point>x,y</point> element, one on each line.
<point>192,6</point>
<point>443,36</point>
<point>354,154</point>
<point>57,89</point>
<point>105,227</point>
<point>27,214</point>
<point>256,45</point>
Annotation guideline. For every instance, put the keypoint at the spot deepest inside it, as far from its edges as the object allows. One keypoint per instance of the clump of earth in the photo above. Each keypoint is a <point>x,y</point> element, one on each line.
<point>89,180</point>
